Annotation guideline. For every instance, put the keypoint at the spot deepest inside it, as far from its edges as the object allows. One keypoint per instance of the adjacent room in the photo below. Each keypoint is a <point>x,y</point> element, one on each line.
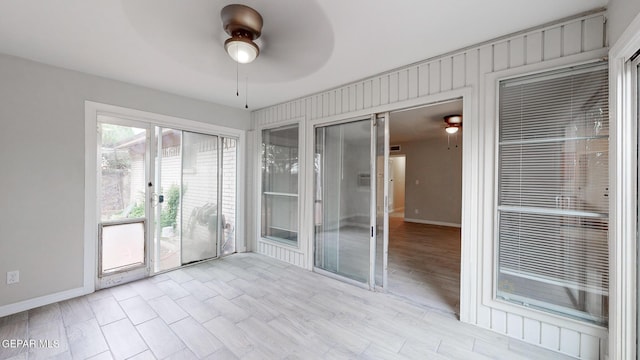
<point>425,205</point>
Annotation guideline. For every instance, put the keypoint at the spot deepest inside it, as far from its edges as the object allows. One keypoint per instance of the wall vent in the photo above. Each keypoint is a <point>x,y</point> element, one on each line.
<point>394,148</point>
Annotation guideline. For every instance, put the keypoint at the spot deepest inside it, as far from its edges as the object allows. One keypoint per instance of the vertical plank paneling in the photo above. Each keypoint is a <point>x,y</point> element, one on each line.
<point>446,73</point>
<point>572,38</point>
<point>472,67</point>
<point>423,79</point>
<point>403,85</point>
<point>367,94</point>
<point>307,107</point>
<point>384,89</point>
<point>434,77</point>
<point>534,48</point>
<point>486,59</point>
<point>352,98</point>
<point>413,82</point>
<point>318,100</point>
<point>531,331</point>
<point>339,101</point>
<point>359,96</point>
<point>345,100</point>
<point>550,336</point>
<point>570,342</point>
<point>375,91</point>
<point>516,52</point>
<point>313,105</point>
<point>332,103</point>
<point>484,316</point>
<point>459,71</point>
<point>515,326</point>
<point>552,43</point>
<point>593,33</point>
<point>325,104</point>
<point>499,321</point>
<point>500,56</point>
<point>589,347</point>
<point>393,87</point>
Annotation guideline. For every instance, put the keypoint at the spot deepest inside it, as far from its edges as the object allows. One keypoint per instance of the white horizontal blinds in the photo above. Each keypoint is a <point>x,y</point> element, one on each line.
<point>553,191</point>
<point>280,184</point>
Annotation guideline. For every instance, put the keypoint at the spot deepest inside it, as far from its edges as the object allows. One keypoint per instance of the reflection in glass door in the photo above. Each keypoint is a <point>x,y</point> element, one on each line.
<point>200,208</point>
<point>343,183</point>
<point>187,225</point>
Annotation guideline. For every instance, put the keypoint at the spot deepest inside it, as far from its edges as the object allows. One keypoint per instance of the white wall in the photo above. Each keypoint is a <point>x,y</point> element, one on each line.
<point>472,72</point>
<point>620,14</point>
<point>437,169</point>
<point>42,116</point>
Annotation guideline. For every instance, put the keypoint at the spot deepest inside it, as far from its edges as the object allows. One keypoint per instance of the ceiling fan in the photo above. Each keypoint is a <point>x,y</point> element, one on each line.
<point>244,25</point>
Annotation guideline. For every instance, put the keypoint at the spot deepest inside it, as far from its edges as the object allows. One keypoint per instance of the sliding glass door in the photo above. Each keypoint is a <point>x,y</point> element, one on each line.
<point>167,197</point>
<point>345,201</point>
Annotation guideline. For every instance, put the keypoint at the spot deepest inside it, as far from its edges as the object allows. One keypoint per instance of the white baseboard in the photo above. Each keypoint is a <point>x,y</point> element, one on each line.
<point>41,301</point>
<point>429,222</point>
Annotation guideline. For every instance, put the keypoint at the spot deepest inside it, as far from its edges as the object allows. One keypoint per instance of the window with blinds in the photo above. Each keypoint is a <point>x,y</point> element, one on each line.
<point>553,192</point>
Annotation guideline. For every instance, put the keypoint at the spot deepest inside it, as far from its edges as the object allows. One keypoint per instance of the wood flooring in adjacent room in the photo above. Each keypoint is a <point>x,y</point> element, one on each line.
<point>248,306</point>
<point>424,264</point>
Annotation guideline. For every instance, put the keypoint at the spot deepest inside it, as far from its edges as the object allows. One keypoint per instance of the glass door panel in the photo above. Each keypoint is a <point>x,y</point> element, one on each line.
<point>343,199</point>
<point>383,205</point>
<point>122,198</point>
<point>167,198</point>
<point>229,191</point>
<point>200,206</point>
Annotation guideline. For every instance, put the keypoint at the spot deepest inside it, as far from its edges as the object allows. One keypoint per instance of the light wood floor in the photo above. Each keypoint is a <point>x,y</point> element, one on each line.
<point>424,264</point>
<point>249,306</point>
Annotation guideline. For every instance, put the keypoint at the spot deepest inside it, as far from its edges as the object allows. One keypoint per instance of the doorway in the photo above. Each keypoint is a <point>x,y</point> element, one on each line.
<point>166,198</point>
<point>425,224</point>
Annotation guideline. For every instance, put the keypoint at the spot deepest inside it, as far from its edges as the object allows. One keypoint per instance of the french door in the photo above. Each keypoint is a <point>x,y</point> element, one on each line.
<point>167,197</point>
<point>350,193</point>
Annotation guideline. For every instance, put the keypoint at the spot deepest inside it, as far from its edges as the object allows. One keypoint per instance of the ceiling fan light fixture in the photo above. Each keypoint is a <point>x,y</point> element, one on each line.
<point>244,25</point>
<point>454,123</point>
<point>452,129</point>
<point>241,49</point>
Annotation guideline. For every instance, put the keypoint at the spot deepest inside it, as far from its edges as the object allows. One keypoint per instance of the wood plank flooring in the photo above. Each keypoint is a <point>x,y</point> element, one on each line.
<point>424,264</point>
<point>247,306</point>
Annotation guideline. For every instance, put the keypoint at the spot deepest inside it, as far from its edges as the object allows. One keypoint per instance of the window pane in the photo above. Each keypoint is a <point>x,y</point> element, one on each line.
<point>553,188</point>
<point>122,180</point>
<point>280,184</point>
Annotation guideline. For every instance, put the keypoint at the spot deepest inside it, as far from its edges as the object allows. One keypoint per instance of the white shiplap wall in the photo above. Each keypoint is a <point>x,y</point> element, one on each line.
<point>575,40</point>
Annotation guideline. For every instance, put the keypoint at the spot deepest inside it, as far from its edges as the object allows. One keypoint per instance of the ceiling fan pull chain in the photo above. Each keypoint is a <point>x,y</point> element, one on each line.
<point>237,70</point>
<point>246,93</point>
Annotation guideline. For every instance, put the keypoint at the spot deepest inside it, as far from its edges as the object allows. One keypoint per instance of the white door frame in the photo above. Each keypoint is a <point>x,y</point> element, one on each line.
<point>623,209</point>
<point>92,110</point>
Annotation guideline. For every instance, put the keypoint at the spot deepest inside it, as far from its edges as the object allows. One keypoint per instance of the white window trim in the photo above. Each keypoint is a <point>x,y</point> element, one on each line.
<point>487,283</point>
<point>301,246</point>
<point>92,110</point>
<point>624,197</point>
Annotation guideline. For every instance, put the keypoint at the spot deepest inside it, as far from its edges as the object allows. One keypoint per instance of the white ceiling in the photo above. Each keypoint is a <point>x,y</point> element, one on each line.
<point>422,123</point>
<point>307,45</point>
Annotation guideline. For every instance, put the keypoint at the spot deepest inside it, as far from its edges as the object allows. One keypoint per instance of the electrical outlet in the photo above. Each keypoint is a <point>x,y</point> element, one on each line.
<point>13,277</point>
<point>416,211</point>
